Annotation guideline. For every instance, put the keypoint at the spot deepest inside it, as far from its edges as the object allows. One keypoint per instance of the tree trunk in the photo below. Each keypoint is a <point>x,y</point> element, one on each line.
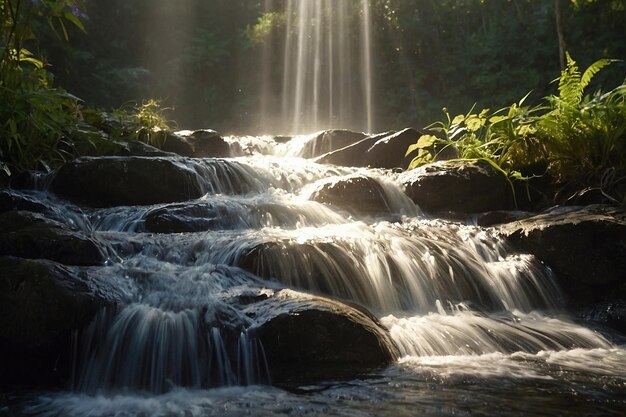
<point>559,31</point>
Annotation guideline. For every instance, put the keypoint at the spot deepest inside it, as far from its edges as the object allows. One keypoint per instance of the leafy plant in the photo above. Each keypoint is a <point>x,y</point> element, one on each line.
<point>580,140</point>
<point>34,117</point>
<point>149,123</point>
<point>584,135</point>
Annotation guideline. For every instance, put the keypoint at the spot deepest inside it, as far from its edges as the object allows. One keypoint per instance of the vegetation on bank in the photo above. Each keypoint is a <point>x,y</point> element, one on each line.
<point>577,140</point>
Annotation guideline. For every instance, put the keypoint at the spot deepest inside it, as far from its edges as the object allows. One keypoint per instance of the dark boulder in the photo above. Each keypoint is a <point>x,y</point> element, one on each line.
<point>385,150</point>
<point>306,336</point>
<point>209,144</point>
<point>458,186</point>
<point>351,155</point>
<point>388,151</point>
<point>42,304</point>
<point>177,144</point>
<point>31,235</point>
<point>358,195</point>
<point>187,217</point>
<point>610,314</point>
<point>329,141</point>
<point>119,181</point>
<point>585,247</point>
<point>15,200</point>
<point>139,148</point>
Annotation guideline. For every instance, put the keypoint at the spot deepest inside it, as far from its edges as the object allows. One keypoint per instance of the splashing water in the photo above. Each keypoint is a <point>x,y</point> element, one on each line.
<point>475,322</point>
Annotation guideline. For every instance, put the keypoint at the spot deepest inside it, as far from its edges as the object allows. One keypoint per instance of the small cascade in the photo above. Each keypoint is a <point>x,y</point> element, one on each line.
<point>461,331</point>
<point>176,334</point>
<point>206,280</point>
<point>391,267</point>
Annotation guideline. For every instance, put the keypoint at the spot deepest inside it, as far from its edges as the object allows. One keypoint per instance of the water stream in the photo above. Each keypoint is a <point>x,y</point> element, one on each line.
<point>326,70</point>
<point>480,328</point>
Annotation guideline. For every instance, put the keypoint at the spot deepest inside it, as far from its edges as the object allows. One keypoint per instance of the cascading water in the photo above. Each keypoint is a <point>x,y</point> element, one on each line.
<point>458,303</point>
<point>326,77</point>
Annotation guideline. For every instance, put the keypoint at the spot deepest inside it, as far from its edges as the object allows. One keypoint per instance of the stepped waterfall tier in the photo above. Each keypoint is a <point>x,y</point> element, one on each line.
<point>258,294</point>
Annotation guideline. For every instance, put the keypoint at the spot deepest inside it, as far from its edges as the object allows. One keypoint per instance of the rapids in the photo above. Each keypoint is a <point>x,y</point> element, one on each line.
<point>480,328</point>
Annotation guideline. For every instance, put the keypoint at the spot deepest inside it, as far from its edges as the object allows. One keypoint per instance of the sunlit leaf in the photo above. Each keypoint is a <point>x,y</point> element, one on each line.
<point>497,119</point>
<point>458,119</point>
<point>474,123</point>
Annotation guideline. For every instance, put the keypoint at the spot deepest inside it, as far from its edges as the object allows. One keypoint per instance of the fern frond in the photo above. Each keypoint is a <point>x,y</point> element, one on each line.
<point>569,83</point>
<point>593,70</point>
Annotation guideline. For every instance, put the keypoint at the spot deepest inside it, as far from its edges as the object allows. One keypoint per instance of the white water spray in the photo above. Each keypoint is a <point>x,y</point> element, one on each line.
<point>327,69</point>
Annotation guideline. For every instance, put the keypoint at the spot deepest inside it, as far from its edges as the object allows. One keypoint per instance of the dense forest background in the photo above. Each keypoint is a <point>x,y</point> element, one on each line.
<point>201,57</point>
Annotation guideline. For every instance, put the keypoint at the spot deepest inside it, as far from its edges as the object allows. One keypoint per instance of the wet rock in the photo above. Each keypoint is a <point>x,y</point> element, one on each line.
<point>139,148</point>
<point>41,304</point>
<point>586,248</point>
<point>608,314</point>
<point>358,195</point>
<point>177,144</point>
<point>15,200</point>
<point>28,180</point>
<point>329,141</point>
<point>309,336</point>
<point>31,235</point>
<point>209,143</point>
<point>385,150</point>
<point>461,187</point>
<point>496,217</point>
<point>118,181</point>
<point>388,151</point>
<point>186,217</point>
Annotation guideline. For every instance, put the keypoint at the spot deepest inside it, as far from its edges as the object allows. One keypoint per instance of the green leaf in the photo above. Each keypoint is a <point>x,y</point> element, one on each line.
<point>474,123</point>
<point>69,16</point>
<point>458,119</point>
<point>497,119</point>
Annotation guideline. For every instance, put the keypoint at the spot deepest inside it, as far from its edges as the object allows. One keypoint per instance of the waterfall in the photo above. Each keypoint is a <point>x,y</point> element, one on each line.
<point>440,288</point>
<point>327,71</point>
<point>202,276</point>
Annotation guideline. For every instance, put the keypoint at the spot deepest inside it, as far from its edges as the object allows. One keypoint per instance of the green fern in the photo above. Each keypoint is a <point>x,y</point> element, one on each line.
<point>572,83</point>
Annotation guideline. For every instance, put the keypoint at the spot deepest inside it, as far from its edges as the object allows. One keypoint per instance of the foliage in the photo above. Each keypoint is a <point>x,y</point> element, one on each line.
<point>268,22</point>
<point>581,141</point>
<point>148,123</point>
<point>34,117</point>
<point>202,58</point>
<point>585,136</point>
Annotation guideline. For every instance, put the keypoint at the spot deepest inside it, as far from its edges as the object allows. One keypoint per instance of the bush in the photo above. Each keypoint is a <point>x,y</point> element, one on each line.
<point>580,141</point>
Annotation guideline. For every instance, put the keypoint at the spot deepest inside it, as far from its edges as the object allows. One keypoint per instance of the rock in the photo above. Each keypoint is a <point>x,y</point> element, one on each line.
<point>209,144</point>
<point>458,186</point>
<point>42,304</point>
<point>585,247</point>
<point>385,150</point>
<point>32,236</point>
<point>607,314</point>
<point>358,195</point>
<point>389,151</point>
<point>309,336</point>
<point>329,141</point>
<point>28,180</point>
<point>496,217</point>
<point>186,217</point>
<point>139,148</point>
<point>354,155</point>
<point>282,139</point>
<point>177,144</point>
<point>118,181</point>
<point>15,200</point>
